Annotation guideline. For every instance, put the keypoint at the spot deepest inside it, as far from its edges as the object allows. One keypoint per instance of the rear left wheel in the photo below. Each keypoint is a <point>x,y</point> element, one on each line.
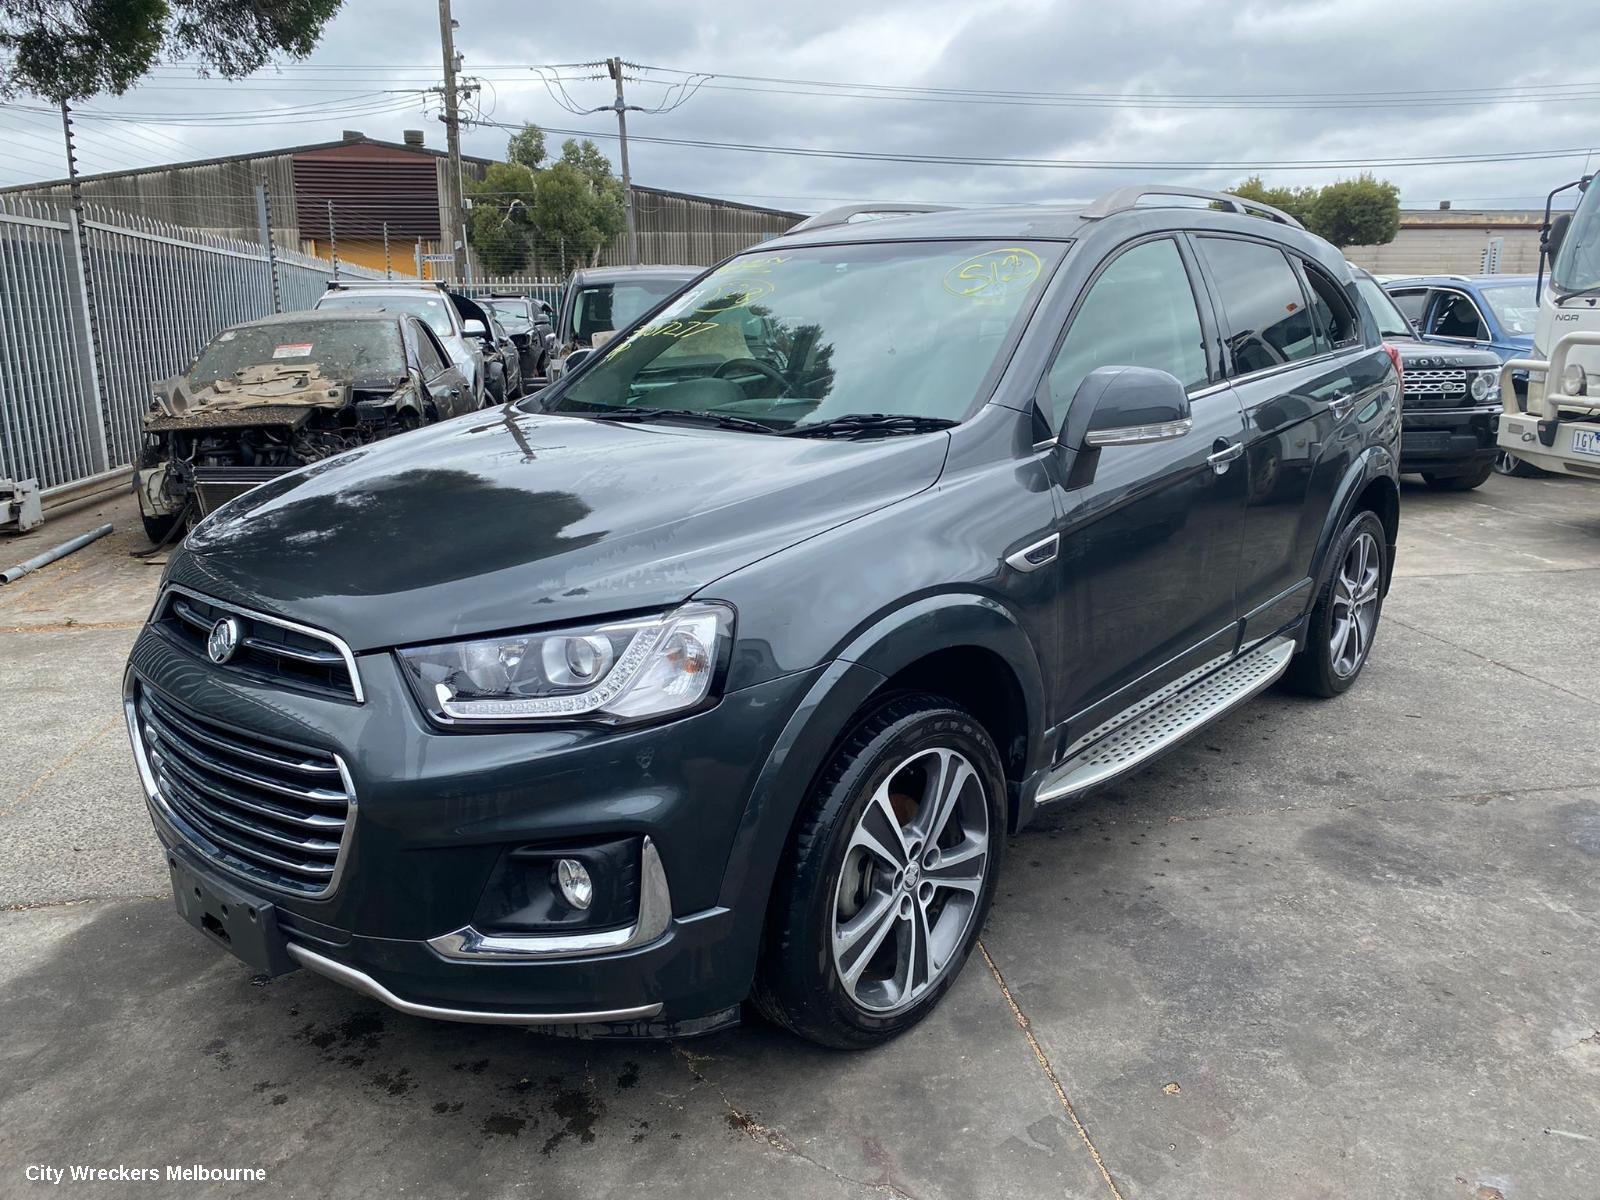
<point>889,878</point>
<point>1344,620</point>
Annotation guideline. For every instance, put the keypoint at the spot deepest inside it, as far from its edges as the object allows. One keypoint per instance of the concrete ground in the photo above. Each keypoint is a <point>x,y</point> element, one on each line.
<point>1330,949</point>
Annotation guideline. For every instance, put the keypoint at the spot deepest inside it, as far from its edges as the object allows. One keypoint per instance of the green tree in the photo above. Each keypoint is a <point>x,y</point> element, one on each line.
<point>527,147</point>
<point>1296,202</point>
<point>73,49</point>
<point>1364,211</point>
<point>500,222</point>
<point>579,208</point>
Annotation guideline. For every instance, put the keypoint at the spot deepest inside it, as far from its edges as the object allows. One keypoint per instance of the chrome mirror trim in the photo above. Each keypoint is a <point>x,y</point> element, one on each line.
<point>1138,435</point>
<point>655,915</point>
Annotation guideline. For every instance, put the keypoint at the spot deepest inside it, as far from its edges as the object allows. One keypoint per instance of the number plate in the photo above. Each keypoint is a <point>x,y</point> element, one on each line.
<point>1586,441</point>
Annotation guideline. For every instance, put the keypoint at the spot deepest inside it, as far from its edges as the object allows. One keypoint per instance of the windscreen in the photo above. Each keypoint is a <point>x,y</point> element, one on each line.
<point>510,311</point>
<point>349,351</point>
<point>1513,304</point>
<point>815,333</point>
<point>1577,267</point>
<point>600,307</point>
<point>435,310</point>
<point>1390,321</point>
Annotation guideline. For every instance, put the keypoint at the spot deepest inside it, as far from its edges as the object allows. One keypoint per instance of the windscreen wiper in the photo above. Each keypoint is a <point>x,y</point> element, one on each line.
<point>868,424</point>
<point>694,416</point>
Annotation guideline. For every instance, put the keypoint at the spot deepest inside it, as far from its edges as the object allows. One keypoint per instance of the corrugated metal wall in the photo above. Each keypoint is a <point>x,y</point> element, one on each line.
<point>696,230</point>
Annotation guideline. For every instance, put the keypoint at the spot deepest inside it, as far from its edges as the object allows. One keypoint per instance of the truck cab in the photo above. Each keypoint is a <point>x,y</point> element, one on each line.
<point>1557,425</point>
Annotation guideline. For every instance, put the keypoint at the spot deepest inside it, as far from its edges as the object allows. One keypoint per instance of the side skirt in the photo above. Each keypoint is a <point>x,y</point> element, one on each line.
<point>1161,720</point>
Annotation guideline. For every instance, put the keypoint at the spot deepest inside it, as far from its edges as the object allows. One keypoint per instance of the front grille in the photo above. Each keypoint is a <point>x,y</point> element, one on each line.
<point>1432,385</point>
<point>276,814</point>
<point>268,650</point>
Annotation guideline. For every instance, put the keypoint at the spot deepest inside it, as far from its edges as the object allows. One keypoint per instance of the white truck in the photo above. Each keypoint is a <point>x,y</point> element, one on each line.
<point>1559,426</point>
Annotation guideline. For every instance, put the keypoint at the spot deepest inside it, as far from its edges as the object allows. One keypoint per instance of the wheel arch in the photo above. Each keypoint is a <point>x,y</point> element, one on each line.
<point>1370,484</point>
<point>911,648</point>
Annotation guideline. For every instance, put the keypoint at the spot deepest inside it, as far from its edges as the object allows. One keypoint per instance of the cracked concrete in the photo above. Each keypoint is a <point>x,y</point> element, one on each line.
<point>1324,950</point>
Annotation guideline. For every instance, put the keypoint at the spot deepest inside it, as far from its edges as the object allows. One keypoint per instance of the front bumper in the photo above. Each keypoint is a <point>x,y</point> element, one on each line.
<point>1448,440</point>
<point>440,811</point>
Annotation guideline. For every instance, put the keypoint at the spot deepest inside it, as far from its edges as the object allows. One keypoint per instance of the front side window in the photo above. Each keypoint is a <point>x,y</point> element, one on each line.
<point>1456,316</point>
<point>810,334</point>
<point>429,353</point>
<point>607,307</point>
<point>1577,266</point>
<point>1140,312</point>
<point>349,351</point>
<point>1513,304</point>
<point>1269,322</point>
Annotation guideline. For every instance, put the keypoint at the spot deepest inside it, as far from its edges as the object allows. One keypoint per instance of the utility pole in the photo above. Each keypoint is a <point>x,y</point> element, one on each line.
<point>630,236</point>
<point>451,216</point>
<point>333,241</point>
<point>264,220</point>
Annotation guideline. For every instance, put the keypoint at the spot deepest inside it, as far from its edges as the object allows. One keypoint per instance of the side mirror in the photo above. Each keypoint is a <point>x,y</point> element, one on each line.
<point>576,358</point>
<point>1557,234</point>
<point>1125,406</point>
<point>474,328</point>
<point>546,310</point>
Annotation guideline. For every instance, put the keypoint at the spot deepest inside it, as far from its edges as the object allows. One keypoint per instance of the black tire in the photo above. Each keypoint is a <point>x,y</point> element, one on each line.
<point>160,529</point>
<point>798,983</point>
<point>1477,477</point>
<point>1313,672</point>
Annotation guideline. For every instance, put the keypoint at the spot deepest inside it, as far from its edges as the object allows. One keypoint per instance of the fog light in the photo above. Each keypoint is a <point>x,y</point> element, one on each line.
<point>1574,382</point>
<point>577,889</point>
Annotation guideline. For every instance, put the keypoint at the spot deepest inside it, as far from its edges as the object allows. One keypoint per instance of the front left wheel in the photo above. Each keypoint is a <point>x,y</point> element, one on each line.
<point>889,876</point>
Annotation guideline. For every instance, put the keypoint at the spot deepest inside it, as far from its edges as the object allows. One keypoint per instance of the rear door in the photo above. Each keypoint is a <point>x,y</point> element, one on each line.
<point>1302,372</point>
<point>1150,539</point>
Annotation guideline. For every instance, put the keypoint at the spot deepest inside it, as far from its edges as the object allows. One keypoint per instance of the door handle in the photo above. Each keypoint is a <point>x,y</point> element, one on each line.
<point>1341,405</point>
<point>1224,454</point>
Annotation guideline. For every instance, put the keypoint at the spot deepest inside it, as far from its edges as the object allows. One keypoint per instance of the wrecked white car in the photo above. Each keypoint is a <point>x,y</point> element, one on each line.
<point>271,395</point>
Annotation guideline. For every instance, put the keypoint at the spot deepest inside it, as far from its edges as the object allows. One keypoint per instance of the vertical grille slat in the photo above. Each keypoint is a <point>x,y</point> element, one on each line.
<point>270,649</point>
<point>275,814</point>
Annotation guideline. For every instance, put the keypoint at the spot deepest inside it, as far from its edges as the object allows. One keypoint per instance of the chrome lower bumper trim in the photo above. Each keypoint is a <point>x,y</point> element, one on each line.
<point>655,915</point>
<point>361,982</point>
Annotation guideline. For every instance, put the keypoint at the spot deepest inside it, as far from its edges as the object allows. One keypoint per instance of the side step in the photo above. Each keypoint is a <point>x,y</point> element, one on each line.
<point>1161,720</point>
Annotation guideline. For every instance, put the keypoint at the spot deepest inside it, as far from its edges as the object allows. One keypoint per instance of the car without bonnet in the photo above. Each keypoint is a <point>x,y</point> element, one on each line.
<point>724,668</point>
<point>271,395</point>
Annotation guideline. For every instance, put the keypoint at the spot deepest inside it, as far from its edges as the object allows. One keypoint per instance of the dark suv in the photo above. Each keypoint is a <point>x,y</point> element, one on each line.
<point>725,668</point>
<point>1452,399</point>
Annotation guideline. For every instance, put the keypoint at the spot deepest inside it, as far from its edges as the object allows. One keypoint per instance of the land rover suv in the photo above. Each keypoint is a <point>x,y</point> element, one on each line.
<point>722,670</point>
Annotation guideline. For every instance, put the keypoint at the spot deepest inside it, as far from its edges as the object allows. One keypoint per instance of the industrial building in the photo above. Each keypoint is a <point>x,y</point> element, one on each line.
<point>376,203</point>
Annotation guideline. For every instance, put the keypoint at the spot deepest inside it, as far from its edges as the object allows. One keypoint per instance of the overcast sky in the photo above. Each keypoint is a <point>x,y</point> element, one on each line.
<point>1330,61</point>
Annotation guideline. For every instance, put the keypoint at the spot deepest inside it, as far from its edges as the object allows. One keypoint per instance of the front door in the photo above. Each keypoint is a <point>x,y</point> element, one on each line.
<point>1151,534</point>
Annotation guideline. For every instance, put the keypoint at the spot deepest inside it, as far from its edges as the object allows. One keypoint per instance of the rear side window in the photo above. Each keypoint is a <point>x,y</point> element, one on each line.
<point>1330,307</point>
<point>1140,312</point>
<point>1411,303</point>
<point>1269,323</point>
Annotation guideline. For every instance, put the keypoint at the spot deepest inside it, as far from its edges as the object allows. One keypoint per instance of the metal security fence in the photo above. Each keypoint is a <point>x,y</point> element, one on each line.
<point>72,393</point>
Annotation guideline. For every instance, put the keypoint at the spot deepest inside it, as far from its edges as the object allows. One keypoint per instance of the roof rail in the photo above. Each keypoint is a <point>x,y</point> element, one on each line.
<point>338,285</point>
<point>843,214</point>
<point>1128,197</point>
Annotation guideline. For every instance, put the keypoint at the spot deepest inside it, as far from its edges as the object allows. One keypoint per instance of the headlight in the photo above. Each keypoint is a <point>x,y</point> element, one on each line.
<point>621,671</point>
<point>1486,386</point>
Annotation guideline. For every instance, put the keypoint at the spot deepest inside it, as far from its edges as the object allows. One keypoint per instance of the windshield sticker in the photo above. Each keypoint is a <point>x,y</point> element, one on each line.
<point>990,277</point>
<point>754,266</point>
<point>734,293</point>
<point>293,350</point>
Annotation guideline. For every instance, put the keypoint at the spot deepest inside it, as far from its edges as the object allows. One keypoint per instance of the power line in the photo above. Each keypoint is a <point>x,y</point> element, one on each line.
<point>1082,164</point>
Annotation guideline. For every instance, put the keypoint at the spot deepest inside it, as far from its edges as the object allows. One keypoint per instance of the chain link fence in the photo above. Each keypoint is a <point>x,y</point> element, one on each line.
<point>92,311</point>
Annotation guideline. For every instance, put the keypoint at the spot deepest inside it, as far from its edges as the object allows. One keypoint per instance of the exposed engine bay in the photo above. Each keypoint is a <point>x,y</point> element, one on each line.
<point>205,445</point>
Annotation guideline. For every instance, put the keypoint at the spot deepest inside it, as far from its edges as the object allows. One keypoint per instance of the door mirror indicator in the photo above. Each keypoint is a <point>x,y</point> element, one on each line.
<point>1126,406</point>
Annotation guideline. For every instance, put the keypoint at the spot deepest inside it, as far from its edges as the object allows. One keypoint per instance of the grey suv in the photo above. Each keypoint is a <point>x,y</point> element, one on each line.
<point>724,668</point>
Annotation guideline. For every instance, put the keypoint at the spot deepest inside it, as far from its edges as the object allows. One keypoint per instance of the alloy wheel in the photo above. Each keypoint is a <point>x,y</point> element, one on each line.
<point>1506,463</point>
<point>1355,605</point>
<point>911,881</point>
